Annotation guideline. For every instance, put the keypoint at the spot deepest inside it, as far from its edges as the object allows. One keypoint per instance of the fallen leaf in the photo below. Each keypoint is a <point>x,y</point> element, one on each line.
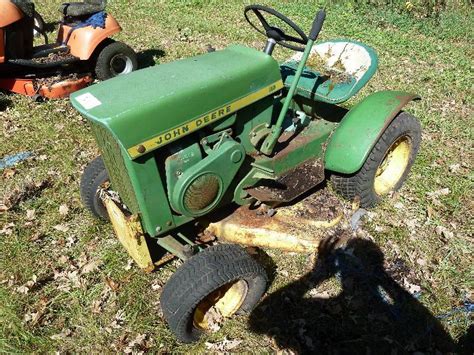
<point>156,286</point>
<point>7,229</point>
<point>8,173</point>
<point>129,265</point>
<point>454,168</point>
<point>61,227</point>
<point>22,289</point>
<point>30,215</point>
<point>410,287</point>
<point>421,261</point>
<point>64,334</point>
<point>430,212</point>
<point>91,266</point>
<point>444,233</point>
<point>139,343</point>
<point>114,286</point>
<point>224,345</point>
<point>441,192</point>
<point>214,319</point>
<point>398,205</point>
<point>63,210</point>
<point>35,237</point>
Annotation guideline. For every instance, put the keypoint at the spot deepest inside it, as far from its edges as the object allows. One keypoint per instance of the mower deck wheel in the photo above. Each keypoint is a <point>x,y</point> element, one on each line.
<point>116,58</point>
<point>215,284</point>
<point>94,178</point>
<point>388,164</point>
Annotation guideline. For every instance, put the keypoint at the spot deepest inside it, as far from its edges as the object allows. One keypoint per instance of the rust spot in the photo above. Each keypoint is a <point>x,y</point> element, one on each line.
<point>288,142</point>
<point>292,184</point>
<point>141,149</point>
<point>298,227</point>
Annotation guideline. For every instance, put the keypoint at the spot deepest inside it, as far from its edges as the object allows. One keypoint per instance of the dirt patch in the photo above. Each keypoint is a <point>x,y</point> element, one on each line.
<point>336,73</point>
<point>54,57</point>
<point>52,80</point>
<point>320,206</point>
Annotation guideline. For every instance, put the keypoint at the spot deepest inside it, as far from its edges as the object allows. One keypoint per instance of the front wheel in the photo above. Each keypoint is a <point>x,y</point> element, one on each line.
<point>388,164</point>
<point>116,58</point>
<point>94,178</point>
<point>213,285</point>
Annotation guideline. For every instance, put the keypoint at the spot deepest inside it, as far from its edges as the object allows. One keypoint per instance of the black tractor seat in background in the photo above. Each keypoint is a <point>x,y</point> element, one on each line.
<point>26,6</point>
<point>79,9</point>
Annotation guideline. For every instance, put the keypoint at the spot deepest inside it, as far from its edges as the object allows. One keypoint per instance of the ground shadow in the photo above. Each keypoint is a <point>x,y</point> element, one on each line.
<point>148,57</point>
<point>5,102</point>
<point>371,314</point>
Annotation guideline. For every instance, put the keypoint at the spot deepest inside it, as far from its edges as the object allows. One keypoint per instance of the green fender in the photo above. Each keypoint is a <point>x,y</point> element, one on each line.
<point>361,128</point>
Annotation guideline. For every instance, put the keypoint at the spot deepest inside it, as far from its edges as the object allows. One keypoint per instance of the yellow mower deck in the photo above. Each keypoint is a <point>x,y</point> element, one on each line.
<point>129,231</point>
<point>296,228</point>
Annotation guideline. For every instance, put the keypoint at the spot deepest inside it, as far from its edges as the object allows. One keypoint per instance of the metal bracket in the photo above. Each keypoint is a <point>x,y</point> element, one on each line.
<point>259,133</point>
<point>215,140</point>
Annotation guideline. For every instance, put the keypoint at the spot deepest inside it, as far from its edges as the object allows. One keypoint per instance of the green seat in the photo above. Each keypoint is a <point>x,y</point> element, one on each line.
<point>335,71</point>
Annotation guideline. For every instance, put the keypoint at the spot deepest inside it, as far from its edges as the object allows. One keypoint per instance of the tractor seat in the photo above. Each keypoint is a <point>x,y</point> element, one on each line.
<point>79,9</point>
<point>26,6</point>
<point>335,71</point>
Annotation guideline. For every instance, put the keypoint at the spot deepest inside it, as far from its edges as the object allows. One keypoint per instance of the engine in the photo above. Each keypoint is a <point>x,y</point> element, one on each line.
<point>198,181</point>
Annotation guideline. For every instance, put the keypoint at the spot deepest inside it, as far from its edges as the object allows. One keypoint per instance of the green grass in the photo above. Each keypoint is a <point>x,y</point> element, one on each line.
<point>429,56</point>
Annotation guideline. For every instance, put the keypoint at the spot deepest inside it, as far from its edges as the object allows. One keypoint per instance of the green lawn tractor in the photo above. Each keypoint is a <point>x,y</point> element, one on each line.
<point>182,140</point>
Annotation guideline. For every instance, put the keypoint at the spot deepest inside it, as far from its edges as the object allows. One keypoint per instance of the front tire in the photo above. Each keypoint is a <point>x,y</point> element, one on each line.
<point>222,278</point>
<point>94,178</point>
<point>387,165</point>
<point>116,58</point>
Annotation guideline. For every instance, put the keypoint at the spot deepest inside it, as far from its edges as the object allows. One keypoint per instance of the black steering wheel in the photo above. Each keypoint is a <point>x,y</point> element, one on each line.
<point>275,33</point>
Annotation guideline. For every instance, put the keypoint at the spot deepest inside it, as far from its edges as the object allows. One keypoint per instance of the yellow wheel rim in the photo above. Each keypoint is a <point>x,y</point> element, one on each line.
<point>393,166</point>
<point>226,300</point>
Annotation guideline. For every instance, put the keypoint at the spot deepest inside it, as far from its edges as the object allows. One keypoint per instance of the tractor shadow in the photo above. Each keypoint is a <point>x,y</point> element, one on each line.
<point>5,102</point>
<point>148,57</point>
<point>371,313</point>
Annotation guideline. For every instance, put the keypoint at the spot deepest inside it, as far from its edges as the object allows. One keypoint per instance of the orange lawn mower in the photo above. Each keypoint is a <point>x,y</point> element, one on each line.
<point>83,49</point>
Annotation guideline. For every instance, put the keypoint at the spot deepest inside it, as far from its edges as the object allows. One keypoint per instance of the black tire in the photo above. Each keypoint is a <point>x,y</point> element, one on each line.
<point>202,275</point>
<point>362,184</point>
<point>115,58</point>
<point>93,177</point>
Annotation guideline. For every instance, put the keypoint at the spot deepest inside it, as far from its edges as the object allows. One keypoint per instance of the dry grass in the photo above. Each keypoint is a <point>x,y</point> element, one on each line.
<point>67,285</point>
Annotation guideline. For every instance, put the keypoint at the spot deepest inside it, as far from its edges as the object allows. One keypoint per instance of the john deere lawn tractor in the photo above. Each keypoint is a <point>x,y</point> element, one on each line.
<point>185,140</point>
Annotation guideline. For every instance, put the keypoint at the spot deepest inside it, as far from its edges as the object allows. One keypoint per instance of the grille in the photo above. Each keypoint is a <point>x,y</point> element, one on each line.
<point>113,159</point>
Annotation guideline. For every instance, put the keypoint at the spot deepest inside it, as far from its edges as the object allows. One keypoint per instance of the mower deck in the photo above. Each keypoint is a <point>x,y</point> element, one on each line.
<point>295,228</point>
<point>47,88</point>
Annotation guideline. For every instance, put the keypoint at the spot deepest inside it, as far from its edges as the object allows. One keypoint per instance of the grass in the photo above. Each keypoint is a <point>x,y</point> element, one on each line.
<point>69,310</point>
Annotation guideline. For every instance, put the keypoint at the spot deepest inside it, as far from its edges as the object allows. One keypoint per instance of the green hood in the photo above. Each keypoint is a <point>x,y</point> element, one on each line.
<point>152,107</point>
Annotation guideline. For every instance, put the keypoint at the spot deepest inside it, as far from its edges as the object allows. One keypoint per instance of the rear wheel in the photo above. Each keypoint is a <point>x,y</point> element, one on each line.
<point>215,284</point>
<point>116,58</point>
<point>388,164</point>
<point>94,178</point>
